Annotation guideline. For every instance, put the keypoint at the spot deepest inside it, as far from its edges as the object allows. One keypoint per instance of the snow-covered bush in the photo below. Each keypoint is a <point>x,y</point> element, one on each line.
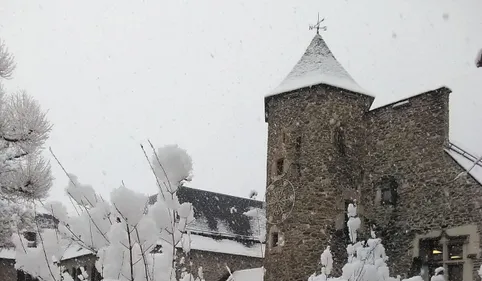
<point>122,232</point>
<point>366,259</point>
<point>24,174</point>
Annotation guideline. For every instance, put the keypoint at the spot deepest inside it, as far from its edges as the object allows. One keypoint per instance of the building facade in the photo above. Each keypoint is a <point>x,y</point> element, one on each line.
<point>223,240</point>
<point>327,148</point>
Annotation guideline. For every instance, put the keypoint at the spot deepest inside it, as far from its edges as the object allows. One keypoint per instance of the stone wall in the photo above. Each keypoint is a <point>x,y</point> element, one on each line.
<point>87,261</point>
<point>214,264</point>
<point>7,270</point>
<point>306,128</point>
<point>407,143</point>
<point>404,142</point>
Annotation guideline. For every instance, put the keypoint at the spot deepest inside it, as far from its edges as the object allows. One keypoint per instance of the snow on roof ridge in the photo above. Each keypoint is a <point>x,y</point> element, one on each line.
<point>318,65</point>
<point>378,105</point>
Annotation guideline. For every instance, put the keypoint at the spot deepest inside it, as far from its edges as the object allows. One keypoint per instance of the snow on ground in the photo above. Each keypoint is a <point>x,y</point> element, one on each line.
<point>254,274</point>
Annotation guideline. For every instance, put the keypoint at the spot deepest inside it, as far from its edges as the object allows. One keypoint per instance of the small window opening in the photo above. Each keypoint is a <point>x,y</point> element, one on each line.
<point>339,140</point>
<point>298,155</point>
<point>280,166</point>
<point>274,239</point>
<point>345,224</point>
<point>298,145</point>
<point>389,188</point>
<point>284,138</point>
<point>31,238</point>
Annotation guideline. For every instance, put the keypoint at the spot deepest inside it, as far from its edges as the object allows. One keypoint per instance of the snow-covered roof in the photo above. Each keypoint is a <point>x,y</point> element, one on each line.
<point>73,251</point>
<point>221,215</point>
<point>381,102</point>
<point>253,274</point>
<point>318,66</point>
<point>226,246</point>
<point>7,253</point>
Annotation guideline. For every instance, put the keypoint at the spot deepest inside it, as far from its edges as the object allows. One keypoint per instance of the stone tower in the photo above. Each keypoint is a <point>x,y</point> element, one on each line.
<point>316,139</point>
<point>327,147</point>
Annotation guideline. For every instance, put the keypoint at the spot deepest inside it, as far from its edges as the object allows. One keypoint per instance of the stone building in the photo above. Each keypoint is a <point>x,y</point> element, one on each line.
<point>327,148</point>
<point>73,258</point>
<point>222,237</point>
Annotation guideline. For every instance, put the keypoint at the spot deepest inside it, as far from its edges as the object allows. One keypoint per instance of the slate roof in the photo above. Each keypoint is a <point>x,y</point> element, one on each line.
<point>318,65</point>
<point>221,215</point>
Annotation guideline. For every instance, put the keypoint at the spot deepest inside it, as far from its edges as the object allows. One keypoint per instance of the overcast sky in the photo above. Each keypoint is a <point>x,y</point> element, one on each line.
<point>114,73</point>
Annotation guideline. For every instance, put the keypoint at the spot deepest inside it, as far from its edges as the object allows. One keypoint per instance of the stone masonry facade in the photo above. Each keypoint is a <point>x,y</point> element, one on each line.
<point>332,149</point>
<point>215,265</point>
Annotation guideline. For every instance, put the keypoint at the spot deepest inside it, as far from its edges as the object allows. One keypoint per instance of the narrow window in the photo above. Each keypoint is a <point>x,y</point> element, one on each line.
<point>274,239</point>
<point>298,155</point>
<point>339,140</point>
<point>346,231</point>
<point>388,188</point>
<point>298,145</point>
<point>280,166</point>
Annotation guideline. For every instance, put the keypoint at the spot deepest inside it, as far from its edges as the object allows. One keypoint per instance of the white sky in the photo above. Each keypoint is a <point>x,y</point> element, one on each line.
<point>114,73</point>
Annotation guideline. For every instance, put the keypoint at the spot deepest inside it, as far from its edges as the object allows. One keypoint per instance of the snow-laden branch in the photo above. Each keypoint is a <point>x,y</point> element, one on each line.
<point>122,233</point>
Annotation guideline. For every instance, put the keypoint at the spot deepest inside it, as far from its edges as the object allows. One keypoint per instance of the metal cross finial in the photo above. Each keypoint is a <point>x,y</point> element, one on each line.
<point>317,25</point>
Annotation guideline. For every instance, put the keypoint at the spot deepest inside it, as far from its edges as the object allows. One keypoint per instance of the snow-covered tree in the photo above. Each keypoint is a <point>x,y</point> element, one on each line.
<point>366,259</point>
<point>122,232</point>
<point>24,174</point>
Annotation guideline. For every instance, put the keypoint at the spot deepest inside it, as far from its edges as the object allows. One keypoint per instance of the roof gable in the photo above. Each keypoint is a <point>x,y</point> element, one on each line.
<point>318,65</point>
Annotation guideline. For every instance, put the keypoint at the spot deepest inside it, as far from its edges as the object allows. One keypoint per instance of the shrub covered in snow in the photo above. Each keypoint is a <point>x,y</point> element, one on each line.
<point>366,259</point>
<point>122,232</point>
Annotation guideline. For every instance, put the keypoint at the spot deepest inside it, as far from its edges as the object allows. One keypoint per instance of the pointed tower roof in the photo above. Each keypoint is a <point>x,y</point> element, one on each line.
<point>318,66</point>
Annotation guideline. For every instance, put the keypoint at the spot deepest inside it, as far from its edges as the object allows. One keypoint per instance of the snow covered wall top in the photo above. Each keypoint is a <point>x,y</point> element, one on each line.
<point>318,66</point>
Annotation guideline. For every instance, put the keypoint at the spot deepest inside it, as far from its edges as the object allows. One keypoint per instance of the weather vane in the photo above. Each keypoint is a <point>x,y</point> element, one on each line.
<point>317,25</point>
